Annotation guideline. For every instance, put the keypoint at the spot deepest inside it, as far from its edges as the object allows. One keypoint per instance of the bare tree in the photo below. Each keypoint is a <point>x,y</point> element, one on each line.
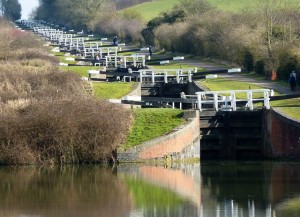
<point>278,18</point>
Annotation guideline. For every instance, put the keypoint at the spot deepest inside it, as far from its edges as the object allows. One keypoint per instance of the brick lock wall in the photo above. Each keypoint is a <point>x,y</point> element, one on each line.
<point>182,143</point>
<point>285,135</point>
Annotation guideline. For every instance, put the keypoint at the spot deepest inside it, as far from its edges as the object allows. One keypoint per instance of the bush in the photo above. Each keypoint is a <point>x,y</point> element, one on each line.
<point>74,130</point>
<point>260,67</point>
<point>287,63</point>
<point>45,114</point>
<point>125,26</point>
<point>27,82</point>
<point>248,61</point>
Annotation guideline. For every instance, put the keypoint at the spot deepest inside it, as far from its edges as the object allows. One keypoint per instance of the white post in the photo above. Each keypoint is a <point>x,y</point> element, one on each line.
<point>199,96</point>
<point>153,77</point>
<point>216,101</point>
<point>134,61</point>
<point>116,61</point>
<point>267,99</point>
<point>125,62</point>
<point>190,76</point>
<point>141,77</point>
<point>106,61</point>
<point>177,77</point>
<point>166,77</point>
<point>249,98</point>
<point>233,101</point>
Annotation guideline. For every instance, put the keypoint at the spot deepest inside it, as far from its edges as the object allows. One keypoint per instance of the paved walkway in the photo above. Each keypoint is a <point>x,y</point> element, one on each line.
<point>236,76</point>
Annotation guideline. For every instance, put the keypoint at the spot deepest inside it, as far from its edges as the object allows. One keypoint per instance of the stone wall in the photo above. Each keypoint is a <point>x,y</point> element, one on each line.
<point>282,135</point>
<point>183,143</point>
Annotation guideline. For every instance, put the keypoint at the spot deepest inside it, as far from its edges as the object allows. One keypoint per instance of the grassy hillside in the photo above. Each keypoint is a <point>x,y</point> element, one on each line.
<point>234,5</point>
<point>152,9</point>
<point>239,6</point>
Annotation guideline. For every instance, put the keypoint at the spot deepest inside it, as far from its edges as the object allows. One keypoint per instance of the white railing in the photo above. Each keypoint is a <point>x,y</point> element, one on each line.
<point>125,60</point>
<point>227,100</point>
<point>153,75</point>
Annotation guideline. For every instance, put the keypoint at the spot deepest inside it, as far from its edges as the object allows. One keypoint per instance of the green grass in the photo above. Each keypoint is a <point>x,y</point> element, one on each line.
<point>112,90</point>
<point>173,65</point>
<point>289,106</point>
<point>234,5</point>
<point>219,84</point>
<point>80,70</point>
<point>151,123</point>
<point>150,10</point>
<point>238,6</point>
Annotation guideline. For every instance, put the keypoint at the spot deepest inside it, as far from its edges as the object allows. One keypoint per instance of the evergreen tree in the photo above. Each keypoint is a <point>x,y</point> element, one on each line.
<point>11,9</point>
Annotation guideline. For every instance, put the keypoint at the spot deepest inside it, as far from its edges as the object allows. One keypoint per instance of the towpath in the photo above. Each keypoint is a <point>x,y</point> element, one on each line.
<point>239,77</point>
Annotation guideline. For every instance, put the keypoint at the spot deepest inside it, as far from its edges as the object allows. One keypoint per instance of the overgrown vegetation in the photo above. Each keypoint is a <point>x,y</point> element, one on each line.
<point>10,9</point>
<point>45,114</point>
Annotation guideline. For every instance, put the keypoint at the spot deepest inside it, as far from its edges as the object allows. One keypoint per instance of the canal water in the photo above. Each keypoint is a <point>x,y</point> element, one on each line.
<point>212,189</point>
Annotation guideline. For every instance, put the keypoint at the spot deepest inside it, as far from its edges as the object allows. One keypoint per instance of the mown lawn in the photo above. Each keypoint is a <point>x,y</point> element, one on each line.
<point>80,70</point>
<point>152,122</point>
<point>112,90</point>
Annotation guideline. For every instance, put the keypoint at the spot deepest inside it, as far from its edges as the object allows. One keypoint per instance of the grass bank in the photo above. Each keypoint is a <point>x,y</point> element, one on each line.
<point>151,123</point>
<point>112,90</point>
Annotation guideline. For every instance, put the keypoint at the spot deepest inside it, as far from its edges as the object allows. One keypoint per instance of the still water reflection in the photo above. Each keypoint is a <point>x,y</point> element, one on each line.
<point>252,189</point>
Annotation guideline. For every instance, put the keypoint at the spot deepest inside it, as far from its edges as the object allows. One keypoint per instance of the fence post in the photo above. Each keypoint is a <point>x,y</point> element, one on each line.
<point>267,99</point>
<point>249,98</point>
<point>152,76</point>
<point>166,77</point>
<point>216,107</point>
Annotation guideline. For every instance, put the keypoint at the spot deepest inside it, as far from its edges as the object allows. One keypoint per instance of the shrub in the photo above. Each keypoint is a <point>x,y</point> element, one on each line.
<point>260,67</point>
<point>28,82</point>
<point>289,64</point>
<point>248,61</point>
<point>124,25</point>
<point>74,130</point>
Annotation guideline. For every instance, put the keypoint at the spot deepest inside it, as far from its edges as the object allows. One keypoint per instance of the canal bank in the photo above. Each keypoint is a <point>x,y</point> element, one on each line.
<point>260,134</point>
